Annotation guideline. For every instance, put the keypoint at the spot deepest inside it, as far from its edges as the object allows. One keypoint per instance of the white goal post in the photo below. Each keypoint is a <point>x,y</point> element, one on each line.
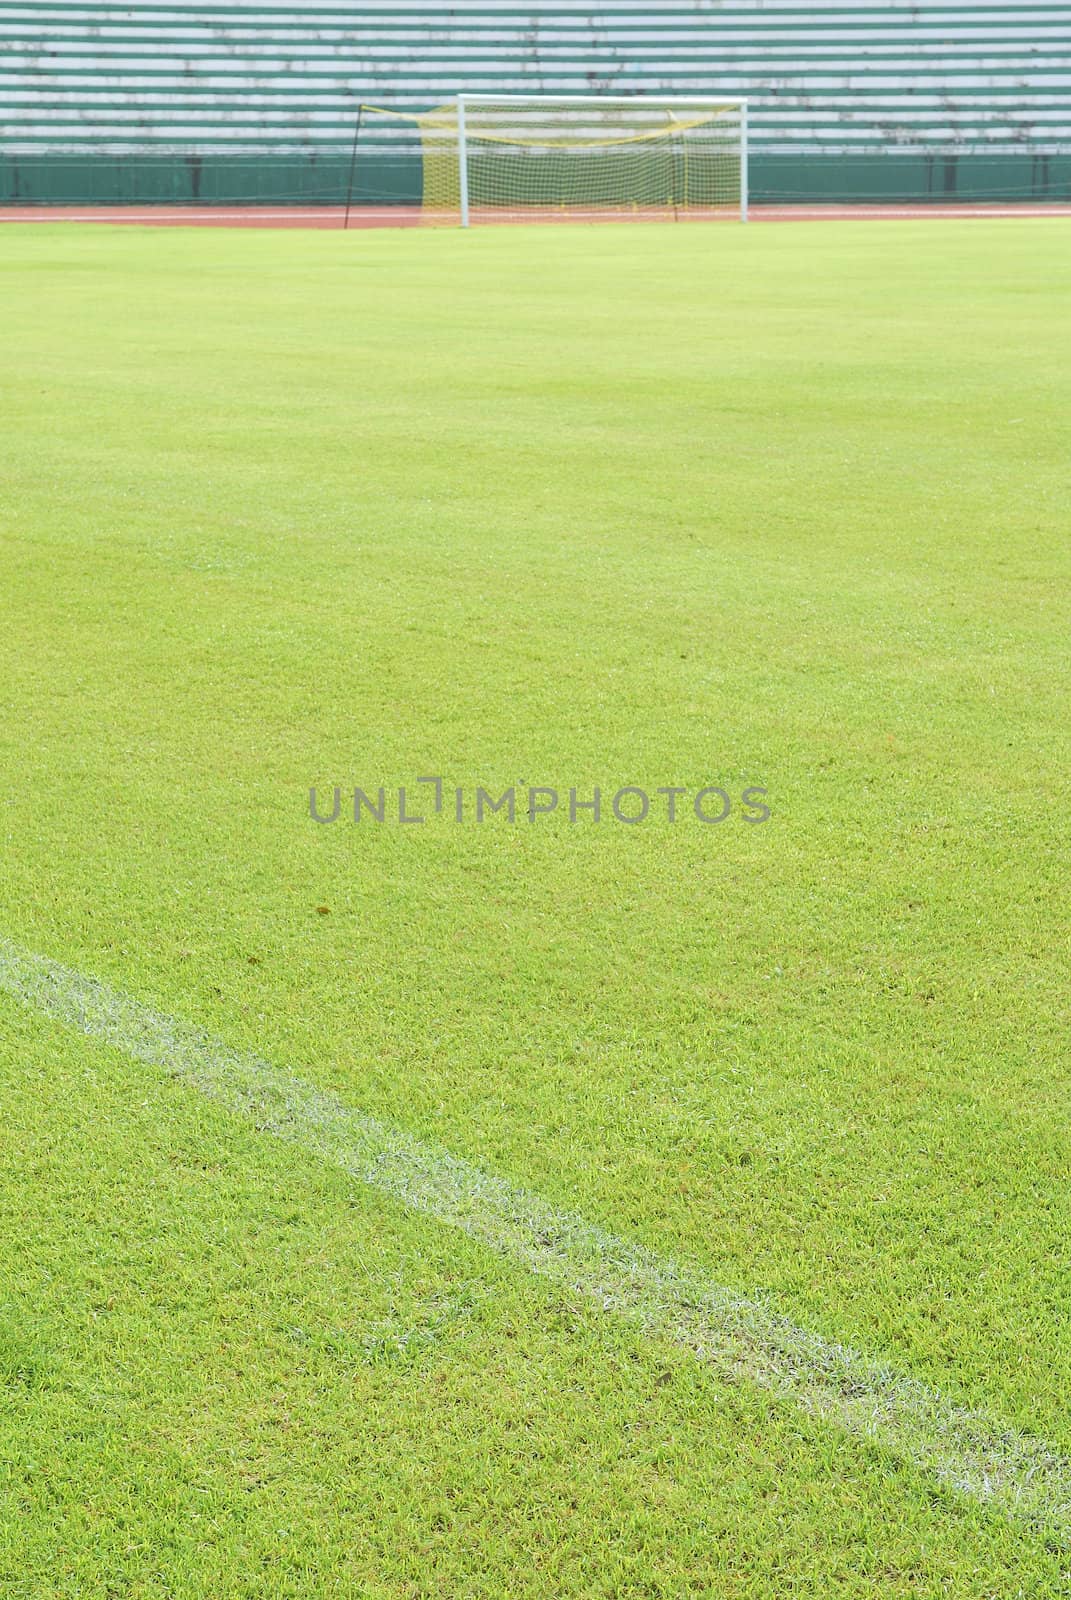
<point>586,157</point>
<point>599,154</point>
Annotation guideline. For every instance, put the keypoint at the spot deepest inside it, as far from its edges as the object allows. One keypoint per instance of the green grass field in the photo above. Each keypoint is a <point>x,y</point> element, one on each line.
<point>782,506</point>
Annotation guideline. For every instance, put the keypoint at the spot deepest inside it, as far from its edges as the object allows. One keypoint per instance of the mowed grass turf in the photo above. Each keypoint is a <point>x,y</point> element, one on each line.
<point>785,506</point>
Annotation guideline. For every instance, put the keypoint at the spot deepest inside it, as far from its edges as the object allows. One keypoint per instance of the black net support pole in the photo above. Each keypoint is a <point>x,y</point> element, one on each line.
<point>353,166</point>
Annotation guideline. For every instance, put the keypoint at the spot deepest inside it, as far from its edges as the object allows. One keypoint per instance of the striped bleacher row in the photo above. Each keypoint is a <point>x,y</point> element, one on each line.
<point>243,101</point>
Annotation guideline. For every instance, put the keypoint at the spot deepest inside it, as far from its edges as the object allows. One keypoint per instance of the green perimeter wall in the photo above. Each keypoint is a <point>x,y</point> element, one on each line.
<point>241,101</point>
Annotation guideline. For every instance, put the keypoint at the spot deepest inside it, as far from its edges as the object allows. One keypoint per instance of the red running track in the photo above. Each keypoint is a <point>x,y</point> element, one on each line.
<point>254,216</point>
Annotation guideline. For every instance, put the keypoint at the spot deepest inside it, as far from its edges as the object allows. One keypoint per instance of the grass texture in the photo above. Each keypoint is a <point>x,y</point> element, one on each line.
<point>776,506</point>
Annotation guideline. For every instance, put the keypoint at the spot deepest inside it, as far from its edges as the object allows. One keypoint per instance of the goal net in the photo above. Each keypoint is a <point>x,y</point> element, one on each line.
<point>538,158</point>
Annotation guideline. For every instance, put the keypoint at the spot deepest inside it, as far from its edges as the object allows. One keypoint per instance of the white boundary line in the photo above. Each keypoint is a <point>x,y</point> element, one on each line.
<point>741,1338</point>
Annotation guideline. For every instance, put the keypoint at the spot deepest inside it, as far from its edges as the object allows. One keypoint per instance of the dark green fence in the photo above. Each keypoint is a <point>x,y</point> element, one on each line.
<point>322,180</point>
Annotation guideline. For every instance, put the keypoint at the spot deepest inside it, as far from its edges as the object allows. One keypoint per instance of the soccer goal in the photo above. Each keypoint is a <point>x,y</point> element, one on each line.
<point>532,158</point>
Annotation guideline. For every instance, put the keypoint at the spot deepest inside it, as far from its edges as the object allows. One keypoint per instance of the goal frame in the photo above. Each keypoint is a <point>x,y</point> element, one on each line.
<point>697,102</point>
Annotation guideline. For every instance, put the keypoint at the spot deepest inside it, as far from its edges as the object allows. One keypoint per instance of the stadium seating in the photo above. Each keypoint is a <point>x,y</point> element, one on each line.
<point>246,101</point>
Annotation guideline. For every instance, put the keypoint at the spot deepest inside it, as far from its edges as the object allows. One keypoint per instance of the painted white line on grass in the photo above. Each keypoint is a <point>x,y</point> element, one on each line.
<point>742,1339</point>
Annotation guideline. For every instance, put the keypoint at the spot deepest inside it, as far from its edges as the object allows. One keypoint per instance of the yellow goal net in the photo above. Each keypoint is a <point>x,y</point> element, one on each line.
<point>537,158</point>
